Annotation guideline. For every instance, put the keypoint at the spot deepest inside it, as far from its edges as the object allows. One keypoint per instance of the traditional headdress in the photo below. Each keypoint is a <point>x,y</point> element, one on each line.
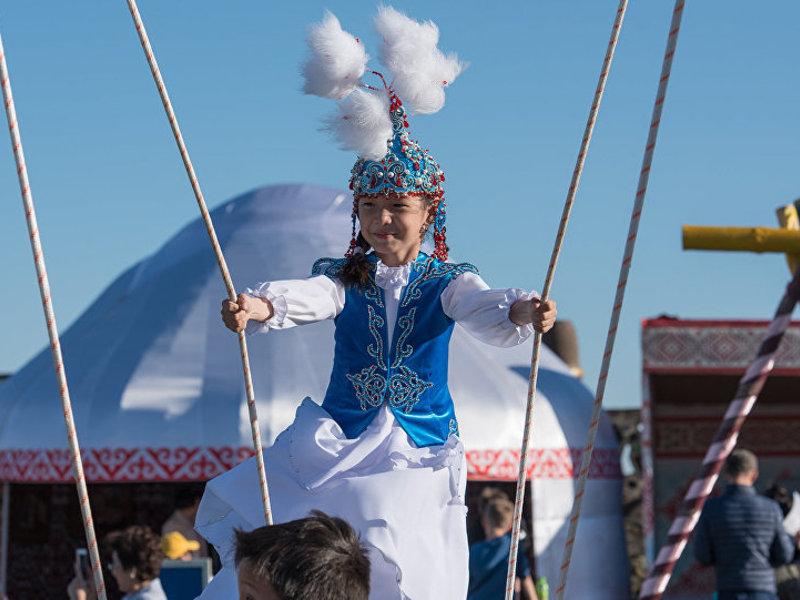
<point>372,121</point>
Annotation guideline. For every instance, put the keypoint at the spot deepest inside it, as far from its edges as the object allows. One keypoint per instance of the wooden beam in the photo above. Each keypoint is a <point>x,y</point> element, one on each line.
<point>749,239</point>
<point>788,219</point>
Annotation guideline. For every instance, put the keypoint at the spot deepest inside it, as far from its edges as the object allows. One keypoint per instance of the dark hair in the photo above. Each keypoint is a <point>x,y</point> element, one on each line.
<point>355,271</point>
<point>782,496</point>
<point>318,557</point>
<point>137,548</point>
<point>188,496</point>
<point>740,462</point>
<point>488,494</point>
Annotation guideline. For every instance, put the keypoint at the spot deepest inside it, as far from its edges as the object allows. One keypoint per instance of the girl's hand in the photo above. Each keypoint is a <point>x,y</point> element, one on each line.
<point>542,315</point>
<point>235,315</point>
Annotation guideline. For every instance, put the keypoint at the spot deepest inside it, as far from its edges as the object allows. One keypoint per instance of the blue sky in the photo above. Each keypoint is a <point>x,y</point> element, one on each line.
<point>110,188</point>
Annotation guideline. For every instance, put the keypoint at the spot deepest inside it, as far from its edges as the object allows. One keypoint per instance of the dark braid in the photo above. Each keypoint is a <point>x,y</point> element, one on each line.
<point>355,271</point>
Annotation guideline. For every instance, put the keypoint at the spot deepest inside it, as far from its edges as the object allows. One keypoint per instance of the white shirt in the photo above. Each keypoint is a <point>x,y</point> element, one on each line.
<point>482,311</point>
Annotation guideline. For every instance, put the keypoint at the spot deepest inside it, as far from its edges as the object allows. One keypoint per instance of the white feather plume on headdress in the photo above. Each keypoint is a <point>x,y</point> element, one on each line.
<point>362,123</point>
<point>419,69</point>
<point>336,62</point>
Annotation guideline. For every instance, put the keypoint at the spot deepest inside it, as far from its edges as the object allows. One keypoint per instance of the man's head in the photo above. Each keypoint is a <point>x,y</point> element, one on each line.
<point>741,467</point>
<point>187,500</point>
<point>497,517</point>
<point>317,557</point>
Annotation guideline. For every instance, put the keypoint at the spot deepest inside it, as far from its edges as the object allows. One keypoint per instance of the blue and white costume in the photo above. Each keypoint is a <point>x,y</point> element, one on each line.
<point>383,450</point>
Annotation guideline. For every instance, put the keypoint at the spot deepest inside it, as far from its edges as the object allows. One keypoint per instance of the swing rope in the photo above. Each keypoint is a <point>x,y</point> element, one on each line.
<point>223,267</point>
<point>537,339</point>
<point>724,442</point>
<point>641,190</point>
<point>52,329</point>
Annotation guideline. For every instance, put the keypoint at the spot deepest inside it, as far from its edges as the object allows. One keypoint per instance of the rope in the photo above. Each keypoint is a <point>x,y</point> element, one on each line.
<point>223,267</point>
<point>52,329</point>
<point>537,339</point>
<point>641,190</point>
<point>724,442</point>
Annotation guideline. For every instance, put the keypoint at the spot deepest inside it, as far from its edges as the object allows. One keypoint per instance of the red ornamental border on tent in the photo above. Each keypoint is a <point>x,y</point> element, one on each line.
<point>136,465</point>
<point>710,347</point>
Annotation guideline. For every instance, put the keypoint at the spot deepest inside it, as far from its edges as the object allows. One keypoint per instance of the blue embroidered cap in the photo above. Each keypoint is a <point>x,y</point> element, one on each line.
<point>407,168</point>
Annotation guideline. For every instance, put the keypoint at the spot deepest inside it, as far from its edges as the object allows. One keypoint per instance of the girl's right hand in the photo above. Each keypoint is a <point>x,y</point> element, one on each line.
<point>235,315</point>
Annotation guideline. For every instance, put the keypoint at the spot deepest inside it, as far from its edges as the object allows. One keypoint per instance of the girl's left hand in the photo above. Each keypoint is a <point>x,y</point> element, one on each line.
<point>543,315</point>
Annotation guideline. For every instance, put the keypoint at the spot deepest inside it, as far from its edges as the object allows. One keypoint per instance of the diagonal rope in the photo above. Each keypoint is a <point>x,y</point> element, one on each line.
<point>52,329</point>
<point>223,267</point>
<point>724,442</point>
<point>641,190</point>
<point>537,339</point>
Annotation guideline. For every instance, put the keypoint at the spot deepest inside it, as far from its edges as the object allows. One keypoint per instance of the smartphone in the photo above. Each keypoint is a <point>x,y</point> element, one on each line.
<point>82,558</point>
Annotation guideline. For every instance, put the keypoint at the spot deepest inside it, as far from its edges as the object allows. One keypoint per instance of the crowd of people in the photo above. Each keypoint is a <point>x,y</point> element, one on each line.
<point>741,534</point>
<point>319,557</point>
<point>134,556</point>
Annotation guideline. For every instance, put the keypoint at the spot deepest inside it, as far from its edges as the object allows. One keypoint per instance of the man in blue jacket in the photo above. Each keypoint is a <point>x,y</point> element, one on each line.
<point>741,534</point>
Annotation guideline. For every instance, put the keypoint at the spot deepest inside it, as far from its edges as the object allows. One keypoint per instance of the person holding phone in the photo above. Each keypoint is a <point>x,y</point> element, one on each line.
<point>135,563</point>
<point>80,588</point>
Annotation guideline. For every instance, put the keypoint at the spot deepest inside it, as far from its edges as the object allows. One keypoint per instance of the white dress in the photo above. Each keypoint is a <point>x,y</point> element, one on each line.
<point>406,502</point>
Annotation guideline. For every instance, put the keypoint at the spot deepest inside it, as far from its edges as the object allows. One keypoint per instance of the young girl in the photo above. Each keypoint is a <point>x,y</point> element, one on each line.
<point>382,451</point>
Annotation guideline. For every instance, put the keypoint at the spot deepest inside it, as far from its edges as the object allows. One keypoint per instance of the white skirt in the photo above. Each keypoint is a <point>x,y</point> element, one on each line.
<point>407,503</point>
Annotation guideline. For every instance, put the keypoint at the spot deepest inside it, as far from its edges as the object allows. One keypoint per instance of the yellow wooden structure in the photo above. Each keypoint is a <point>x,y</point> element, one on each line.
<point>784,240</point>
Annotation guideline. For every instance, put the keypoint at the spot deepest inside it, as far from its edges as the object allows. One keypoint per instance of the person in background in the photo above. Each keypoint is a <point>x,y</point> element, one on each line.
<point>787,577</point>
<point>741,535</point>
<point>488,560</point>
<point>135,563</point>
<point>318,557</point>
<point>136,558</point>
<point>187,502</point>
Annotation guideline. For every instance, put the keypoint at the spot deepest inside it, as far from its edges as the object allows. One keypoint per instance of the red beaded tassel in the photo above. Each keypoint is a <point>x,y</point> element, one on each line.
<point>440,248</point>
<point>353,241</point>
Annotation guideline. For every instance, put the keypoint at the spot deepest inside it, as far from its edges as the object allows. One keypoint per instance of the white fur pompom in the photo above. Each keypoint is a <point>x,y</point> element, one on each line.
<point>362,124</point>
<point>419,69</point>
<point>337,60</point>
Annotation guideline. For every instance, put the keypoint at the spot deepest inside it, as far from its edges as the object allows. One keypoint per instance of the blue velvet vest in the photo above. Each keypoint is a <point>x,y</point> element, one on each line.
<point>410,377</point>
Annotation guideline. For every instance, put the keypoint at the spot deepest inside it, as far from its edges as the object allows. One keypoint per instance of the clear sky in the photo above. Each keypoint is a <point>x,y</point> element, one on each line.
<point>110,188</point>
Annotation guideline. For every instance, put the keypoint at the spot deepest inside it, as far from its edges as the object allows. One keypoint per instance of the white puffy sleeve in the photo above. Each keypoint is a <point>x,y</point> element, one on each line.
<point>298,302</point>
<point>483,312</point>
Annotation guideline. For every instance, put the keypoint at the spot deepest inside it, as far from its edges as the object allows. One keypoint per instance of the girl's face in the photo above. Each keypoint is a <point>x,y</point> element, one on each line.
<point>393,224</point>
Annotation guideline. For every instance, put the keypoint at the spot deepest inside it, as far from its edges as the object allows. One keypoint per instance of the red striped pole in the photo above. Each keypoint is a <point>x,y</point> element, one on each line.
<point>551,270</point>
<point>724,442</point>
<point>52,328</point>
<point>641,190</point>
<point>223,267</point>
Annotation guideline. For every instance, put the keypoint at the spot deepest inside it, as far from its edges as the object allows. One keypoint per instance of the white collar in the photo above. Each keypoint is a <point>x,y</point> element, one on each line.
<point>392,277</point>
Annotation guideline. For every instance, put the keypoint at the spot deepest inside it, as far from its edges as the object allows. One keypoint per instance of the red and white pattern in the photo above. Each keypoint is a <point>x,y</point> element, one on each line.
<point>550,463</point>
<point>690,436</point>
<point>677,346</point>
<point>128,465</point>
